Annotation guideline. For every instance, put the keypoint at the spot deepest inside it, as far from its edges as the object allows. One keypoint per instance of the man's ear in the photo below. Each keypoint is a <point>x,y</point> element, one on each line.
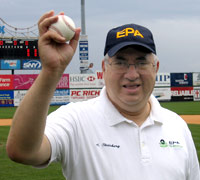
<point>157,66</point>
<point>103,66</point>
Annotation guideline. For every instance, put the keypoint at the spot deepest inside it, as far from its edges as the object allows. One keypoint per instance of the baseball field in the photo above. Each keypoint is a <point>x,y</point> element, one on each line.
<point>190,111</point>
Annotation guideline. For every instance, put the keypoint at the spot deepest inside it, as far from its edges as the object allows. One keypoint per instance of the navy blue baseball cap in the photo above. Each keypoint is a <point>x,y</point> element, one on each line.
<point>127,35</point>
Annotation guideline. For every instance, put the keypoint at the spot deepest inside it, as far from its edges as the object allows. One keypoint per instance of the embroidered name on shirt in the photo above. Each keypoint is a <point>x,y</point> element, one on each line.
<point>108,145</point>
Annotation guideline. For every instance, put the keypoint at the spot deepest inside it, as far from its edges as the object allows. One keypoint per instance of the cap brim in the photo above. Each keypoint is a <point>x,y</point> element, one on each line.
<point>119,46</point>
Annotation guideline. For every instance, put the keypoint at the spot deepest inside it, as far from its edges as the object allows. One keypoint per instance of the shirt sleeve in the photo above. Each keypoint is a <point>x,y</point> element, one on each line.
<point>62,133</point>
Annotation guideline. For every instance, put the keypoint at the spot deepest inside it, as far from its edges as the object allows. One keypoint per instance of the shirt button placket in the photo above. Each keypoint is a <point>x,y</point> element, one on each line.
<point>145,153</point>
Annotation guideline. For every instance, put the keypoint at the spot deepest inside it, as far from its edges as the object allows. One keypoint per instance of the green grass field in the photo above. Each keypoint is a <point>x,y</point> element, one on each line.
<point>12,171</point>
<point>182,108</point>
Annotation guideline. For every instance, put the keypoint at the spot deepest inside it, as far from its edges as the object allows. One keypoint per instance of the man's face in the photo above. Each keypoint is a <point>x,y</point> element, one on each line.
<point>131,86</point>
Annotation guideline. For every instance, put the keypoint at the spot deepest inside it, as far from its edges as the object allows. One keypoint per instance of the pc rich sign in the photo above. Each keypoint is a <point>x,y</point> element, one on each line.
<point>83,94</point>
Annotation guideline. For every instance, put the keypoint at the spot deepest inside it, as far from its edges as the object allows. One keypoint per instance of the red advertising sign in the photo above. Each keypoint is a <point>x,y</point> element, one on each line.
<point>197,94</point>
<point>6,82</point>
<point>100,80</point>
<point>64,82</point>
<point>83,94</point>
<point>24,81</point>
<point>182,91</point>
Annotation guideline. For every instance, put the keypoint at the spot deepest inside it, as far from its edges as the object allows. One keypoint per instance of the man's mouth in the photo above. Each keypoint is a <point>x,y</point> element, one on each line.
<point>131,86</point>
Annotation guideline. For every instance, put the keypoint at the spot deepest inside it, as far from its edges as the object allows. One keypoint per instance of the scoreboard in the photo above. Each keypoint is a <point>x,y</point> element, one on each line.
<point>19,49</point>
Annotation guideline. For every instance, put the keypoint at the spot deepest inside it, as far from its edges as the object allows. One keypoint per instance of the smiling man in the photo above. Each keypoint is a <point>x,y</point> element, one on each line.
<point>130,77</point>
<point>130,68</point>
<point>124,134</point>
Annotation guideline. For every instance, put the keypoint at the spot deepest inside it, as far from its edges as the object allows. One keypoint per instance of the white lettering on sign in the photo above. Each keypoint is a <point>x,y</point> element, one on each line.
<point>4,80</point>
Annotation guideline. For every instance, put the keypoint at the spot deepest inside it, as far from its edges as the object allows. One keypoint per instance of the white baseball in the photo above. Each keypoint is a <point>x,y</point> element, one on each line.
<point>64,26</point>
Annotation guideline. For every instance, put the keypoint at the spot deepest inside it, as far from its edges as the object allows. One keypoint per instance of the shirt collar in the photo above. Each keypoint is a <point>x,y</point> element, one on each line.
<point>156,110</point>
<point>114,117</point>
<point>110,112</point>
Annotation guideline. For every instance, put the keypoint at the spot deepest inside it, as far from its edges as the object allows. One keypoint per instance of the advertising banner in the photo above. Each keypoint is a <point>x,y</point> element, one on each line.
<point>10,64</point>
<point>31,64</point>
<point>22,71</point>
<point>83,47</point>
<point>196,93</point>
<point>83,94</point>
<point>100,81</point>
<point>181,80</point>
<point>6,98</point>
<point>64,82</point>
<point>196,79</point>
<point>162,94</point>
<point>6,82</point>
<point>4,72</point>
<point>61,97</point>
<point>182,93</point>
<point>163,80</point>
<point>23,81</point>
<point>18,96</point>
<point>82,81</point>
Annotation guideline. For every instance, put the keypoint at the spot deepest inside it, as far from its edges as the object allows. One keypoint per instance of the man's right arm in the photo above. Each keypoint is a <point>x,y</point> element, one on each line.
<point>27,143</point>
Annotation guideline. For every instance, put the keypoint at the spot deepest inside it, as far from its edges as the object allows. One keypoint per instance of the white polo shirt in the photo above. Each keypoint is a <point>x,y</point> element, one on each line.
<point>93,141</point>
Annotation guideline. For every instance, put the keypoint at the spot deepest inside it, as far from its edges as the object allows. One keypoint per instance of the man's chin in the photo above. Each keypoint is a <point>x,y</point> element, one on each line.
<point>131,100</point>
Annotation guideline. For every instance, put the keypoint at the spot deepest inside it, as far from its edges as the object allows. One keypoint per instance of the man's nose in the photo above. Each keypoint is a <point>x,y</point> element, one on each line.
<point>132,72</point>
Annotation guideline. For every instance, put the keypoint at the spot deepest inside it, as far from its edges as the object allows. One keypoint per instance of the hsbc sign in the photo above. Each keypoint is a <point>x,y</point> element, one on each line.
<point>82,81</point>
<point>76,78</point>
<point>91,78</point>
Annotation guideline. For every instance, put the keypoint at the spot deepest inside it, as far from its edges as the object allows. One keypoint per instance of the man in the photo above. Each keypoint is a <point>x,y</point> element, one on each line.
<point>122,134</point>
<point>87,70</point>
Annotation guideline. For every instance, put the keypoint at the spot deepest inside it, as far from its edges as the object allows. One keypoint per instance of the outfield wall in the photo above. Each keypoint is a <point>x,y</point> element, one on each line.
<point>81,87</point>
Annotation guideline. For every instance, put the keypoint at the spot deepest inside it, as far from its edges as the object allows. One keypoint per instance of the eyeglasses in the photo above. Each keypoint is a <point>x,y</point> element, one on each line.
<point>122,66</point>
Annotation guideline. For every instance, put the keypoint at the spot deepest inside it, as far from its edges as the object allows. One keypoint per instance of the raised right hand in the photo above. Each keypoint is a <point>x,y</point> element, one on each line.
<point>54,52</point>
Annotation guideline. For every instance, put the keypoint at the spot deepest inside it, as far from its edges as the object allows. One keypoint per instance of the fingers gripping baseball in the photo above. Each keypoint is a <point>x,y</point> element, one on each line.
<point>54,52</point>
<point>45,21</point>
<point>64,26</point>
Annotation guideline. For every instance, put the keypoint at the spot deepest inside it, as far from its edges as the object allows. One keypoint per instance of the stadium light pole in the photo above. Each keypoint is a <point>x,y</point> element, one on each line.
<point>83,32</point>
<point>83,42</point>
